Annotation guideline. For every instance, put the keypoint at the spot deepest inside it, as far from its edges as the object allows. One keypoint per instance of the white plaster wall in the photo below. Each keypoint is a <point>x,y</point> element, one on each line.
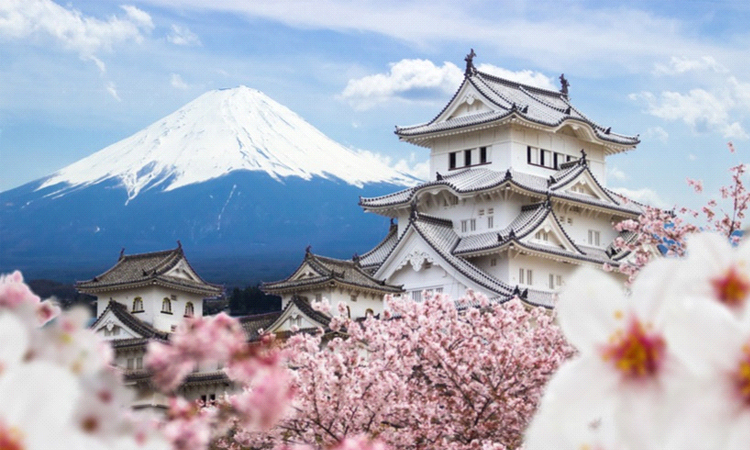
<point>152,297</point>
<point>583,222</point>
<point>357,308</point>
<point>561,143</point>
<point>541,268</point>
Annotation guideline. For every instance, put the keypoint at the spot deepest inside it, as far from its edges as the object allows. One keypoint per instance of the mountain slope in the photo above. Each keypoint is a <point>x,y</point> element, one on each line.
<point>244,183</point>
<point>220,132</point>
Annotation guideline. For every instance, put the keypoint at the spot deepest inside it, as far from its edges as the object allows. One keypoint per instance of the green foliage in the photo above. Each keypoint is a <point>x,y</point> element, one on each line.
<point>252,300</point>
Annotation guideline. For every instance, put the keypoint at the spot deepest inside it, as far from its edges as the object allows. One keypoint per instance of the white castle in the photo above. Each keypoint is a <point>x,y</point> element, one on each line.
<point>518,201</point>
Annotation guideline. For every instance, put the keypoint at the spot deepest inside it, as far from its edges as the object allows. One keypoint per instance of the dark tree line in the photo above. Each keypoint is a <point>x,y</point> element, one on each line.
<point>251,300</point>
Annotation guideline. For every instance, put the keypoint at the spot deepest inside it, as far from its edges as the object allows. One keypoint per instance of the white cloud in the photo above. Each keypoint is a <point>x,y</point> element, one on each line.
<point>177,82</point>
<point>42,22</point>
<point>113,91</point>
<point>417,169</point>
<point>702,110</point>
<point>420,80</point>
<point>617,174</point>
<point>657,133</point>
<point>678,65</point>
<point>183,36</point>
<point>691,157</point>
<point>645,195</point>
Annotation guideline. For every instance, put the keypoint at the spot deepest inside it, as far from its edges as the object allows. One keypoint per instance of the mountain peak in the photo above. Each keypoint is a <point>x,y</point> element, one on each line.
<point>223,131</point>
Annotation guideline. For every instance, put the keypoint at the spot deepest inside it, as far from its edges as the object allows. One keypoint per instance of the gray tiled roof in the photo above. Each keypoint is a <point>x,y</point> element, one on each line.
<point>443,239</point>
<point>534,104</point>
<point>147,268</point>
<point>121,312</point>
<point>330,269</point>
<point>476,180</point>
<point>380,252</point>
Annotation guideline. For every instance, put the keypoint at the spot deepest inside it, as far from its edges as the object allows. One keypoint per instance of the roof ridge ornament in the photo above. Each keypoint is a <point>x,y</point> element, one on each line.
<point>470,69</point>
<point>564,85</point>
<point>122,254</point>
<point>583,157</point>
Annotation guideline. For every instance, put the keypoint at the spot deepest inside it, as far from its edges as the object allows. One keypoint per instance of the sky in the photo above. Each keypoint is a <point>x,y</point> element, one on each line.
<point>77,76</point>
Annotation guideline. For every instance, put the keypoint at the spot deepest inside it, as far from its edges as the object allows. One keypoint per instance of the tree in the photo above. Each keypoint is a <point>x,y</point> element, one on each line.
<point>436,374</point>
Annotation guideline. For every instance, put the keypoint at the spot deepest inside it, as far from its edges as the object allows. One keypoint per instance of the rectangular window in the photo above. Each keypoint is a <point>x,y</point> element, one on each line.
<point>467,157</point>
<point>482,155</point>
<point>532,155</point>
<point>594,238</point>
<point>452,160</point>
<point>551,281</point>
<point>529,279</point>
<point>546,159</point>
<point>354,298</point>
<point>520,276</point>
<point>493,262</point>
<point>473,224</point>
<point>481,212</point>
<point>139,362</point>
<point>558,280</point>
<point>416,296</point>
<point>318,297</point>
<point>491,211</point>
<point>130,363</point>
<point>463,226</point>
<point>490,222</point>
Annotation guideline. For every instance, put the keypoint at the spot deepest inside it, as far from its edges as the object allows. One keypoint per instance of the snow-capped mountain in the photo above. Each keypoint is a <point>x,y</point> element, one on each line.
<point>220,132</point>
<point>243,182</point>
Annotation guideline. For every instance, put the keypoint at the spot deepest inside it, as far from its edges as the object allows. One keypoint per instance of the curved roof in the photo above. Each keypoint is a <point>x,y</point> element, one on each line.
<point>510,99</point>
<point>326,270</point>
<point>477,180</point>
<point>149,268</point>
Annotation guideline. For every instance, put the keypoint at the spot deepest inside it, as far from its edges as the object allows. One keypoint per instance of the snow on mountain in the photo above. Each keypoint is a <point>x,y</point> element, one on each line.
<point>223,131</point>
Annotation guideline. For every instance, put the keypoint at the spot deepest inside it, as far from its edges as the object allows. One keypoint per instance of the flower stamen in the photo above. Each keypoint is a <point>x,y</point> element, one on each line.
<point>732,288</point>
<point>743,375</point>
<point>636,353</point>
<point>11,438</point>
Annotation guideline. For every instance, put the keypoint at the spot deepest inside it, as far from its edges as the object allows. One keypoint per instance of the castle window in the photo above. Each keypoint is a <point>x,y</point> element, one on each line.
<point>189,309</point>
<point>353,297</point>
<point>525,276</point>
<point>594,238</point>
<point>166,306</point>
<point>318,297</point>
<point>490,221</point>
<point>464,224</point>
<point>542,235</point>
<point>481,212</point>
<point>467,157</point>
<point>493,262</point>
<point>482,155</point>
<point>416,295</point>
<point>473,223</point>
<point>130,363</point>
<point>137,304</point>
<point>139,362</point>
<point>555,281</point>
<point>452,160</point>
<point>491,211</point>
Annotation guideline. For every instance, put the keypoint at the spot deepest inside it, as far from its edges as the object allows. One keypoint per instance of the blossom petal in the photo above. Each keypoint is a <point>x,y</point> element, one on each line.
<point>588,307</point>
<point>14,341</point>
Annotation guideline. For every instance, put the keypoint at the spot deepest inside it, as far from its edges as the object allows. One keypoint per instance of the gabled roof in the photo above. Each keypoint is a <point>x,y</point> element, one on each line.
<point>526,223</point>
<point>151,268</point>
<point>120,311</point>
<point>270,322</point>
<point>510,100</point>
<point>380,252</point>
<point>472,180</point>
<point>318,271</point>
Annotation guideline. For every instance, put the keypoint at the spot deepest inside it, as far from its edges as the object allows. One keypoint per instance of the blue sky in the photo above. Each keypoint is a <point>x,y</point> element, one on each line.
<point>77,76</point>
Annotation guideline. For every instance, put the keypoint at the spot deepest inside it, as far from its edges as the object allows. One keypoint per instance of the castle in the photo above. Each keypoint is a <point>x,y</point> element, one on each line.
<point>517,201</point>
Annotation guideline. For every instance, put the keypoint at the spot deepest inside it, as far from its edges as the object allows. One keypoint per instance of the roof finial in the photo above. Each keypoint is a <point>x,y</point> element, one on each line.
<point>122,253</point>
<point>179,244</point>
<point>355,258</point>
<point>307,249</point>
<point>564,85</point>
<point>438,177</point>
<point>470,69</point>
